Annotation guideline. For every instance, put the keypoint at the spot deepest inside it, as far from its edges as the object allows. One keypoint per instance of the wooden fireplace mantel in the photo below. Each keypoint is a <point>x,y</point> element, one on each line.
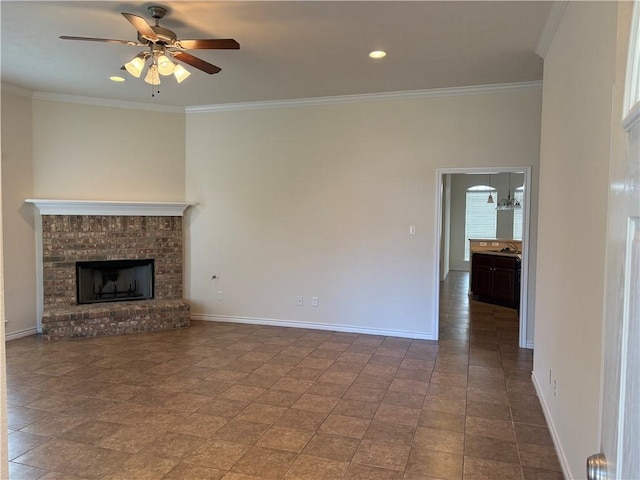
<point>107,207</point>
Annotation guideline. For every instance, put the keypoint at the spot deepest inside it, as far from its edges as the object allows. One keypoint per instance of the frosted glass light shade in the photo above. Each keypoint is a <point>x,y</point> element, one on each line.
<point>152,75</point>
<point>165,66</point>
<point>180,73</point>
<point>135,66</point>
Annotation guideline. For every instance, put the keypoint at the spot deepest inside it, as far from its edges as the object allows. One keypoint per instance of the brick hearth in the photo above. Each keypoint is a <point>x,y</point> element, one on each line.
<point>67,239</point>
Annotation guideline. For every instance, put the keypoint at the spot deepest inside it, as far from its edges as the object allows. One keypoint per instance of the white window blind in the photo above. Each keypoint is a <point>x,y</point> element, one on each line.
<point>517,214</point>
<point>480,216</point>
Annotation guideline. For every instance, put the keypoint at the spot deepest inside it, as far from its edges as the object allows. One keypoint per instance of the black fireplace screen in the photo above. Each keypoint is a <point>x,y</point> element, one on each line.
<point>114,280</point>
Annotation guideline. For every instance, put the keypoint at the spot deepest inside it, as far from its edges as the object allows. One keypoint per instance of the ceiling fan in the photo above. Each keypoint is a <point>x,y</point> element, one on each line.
<point>162,44</point>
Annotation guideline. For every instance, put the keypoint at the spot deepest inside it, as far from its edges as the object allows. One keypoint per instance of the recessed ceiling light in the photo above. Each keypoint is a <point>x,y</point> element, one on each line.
<point>378,54</point>
<point>116,79</point>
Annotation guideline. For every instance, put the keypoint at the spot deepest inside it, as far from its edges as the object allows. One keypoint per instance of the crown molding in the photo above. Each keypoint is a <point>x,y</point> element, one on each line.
<point>100,207</point>
<point>105,102</point>
<point>9,88</point>
<point>298,102</point>
<point>551,27</point>
<point>368,97</point>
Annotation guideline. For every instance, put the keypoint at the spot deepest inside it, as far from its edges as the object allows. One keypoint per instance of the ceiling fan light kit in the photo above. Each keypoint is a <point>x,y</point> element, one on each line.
<point>135,66</point>
<point>163,45</point>
<point>180,73</point>
<point>152,78</point>
<point>165,66</point>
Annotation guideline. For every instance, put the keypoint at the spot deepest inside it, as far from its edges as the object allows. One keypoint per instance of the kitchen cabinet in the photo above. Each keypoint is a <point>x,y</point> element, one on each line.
<point>496,279</point>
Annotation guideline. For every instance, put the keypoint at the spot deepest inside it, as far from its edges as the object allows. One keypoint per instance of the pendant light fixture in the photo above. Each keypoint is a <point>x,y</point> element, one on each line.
<point>490,199</point>
<point>509,203</point>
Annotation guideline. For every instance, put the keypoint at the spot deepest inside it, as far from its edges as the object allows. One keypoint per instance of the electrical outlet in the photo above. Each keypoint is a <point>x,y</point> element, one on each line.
<point>220,295</point>
<point>483,244</point>
<point>299,300</point>
<point>555,388</point>
<point>314,301</point>
<point>412,230</point>
<point>495,244</point>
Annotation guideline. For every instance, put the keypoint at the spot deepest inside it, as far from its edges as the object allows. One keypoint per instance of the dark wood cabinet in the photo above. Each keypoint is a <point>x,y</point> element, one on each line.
<point>496,279</point>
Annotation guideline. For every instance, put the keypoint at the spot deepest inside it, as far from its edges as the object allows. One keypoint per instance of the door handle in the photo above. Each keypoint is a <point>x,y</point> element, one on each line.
<point>597,467</point>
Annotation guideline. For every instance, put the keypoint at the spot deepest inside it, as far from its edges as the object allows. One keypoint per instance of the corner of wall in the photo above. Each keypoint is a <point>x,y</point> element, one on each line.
<point>18,217</point>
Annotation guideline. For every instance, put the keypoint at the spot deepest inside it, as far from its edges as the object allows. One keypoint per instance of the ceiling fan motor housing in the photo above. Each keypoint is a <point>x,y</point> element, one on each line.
<point>157,11</point>
<point>165,35</point>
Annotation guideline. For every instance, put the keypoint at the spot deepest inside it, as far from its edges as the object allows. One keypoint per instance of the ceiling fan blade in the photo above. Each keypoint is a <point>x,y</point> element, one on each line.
<point>210,43</point>
<point>196,62</point>
<point>107,40</point>
<point>141,25</point>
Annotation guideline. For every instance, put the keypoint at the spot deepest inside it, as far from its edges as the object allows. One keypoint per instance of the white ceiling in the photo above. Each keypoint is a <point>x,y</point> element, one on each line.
<point>288,50</point>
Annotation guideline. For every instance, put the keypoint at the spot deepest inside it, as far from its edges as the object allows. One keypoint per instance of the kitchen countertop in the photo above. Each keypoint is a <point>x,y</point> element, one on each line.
<point>502,254</point>
<point>507,240</point>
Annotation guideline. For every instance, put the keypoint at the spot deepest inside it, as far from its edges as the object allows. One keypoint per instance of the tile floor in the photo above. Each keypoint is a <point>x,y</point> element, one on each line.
<point>242,402</point>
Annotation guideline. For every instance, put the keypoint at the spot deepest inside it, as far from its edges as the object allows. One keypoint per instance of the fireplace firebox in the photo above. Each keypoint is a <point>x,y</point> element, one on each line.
<point>114,281</point>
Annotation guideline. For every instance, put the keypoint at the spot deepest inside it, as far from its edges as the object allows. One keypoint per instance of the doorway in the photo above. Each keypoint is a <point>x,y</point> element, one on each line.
<point>443,227</point>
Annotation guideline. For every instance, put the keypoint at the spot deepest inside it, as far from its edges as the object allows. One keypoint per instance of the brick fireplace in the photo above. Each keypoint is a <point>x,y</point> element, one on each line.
<point>109,231</point>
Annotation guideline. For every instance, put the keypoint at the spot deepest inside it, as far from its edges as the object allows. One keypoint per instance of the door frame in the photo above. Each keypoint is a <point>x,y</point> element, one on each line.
<point>526,241</point>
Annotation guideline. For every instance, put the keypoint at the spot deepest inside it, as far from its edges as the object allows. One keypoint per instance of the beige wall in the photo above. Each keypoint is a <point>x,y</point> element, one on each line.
<point>19,236</point>
<point>574,168</point>
<point>102,153</point>
<point>318,200</point>
<point>4,448</point>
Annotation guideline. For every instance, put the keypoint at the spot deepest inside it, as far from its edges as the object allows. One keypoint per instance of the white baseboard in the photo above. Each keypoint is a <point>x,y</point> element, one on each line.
<point>20,333</point>
<point>529,345</point>
<point>313,326</point>
<point>552,429</point>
